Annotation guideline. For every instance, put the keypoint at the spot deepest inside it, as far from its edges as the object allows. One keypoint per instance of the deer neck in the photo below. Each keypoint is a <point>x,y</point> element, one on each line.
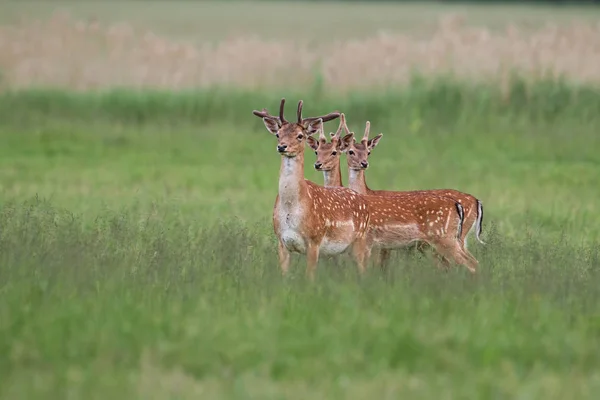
<point>357,182</point>
<point>291,179</point>
<point>333,177</point>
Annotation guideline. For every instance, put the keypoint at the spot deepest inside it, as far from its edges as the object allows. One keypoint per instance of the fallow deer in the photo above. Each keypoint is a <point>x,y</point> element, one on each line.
<point>472,206</point>
<point>431,213</point>
<point>308,218</point>
<point>328,155</point>
<point>328,161</point>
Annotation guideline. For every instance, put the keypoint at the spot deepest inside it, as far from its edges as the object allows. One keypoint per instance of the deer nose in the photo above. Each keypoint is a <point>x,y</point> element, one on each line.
<point>281,148</point>
<point>364,164</point>
<point>318,165</point>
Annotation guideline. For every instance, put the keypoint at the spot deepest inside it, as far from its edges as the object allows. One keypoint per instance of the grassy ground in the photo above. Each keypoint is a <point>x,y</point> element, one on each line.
<point>138,261</point>
<point>137,257</point>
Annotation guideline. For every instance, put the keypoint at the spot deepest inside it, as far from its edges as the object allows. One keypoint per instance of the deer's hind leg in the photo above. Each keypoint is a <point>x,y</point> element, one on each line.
<point>361,252</point>
<point>441,261</point>
<point>468,226</point>
<point>384,258</point>
<point>451,249</point>
<point>472,261</point>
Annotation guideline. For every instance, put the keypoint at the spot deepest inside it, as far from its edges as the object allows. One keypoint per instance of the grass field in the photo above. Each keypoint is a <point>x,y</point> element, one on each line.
<point>137,257</point>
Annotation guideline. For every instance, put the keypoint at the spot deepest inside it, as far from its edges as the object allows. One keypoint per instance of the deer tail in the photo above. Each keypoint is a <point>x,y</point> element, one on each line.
<point>479,222</point>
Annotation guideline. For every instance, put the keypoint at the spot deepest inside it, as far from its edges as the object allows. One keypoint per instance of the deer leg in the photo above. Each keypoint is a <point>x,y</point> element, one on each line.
<point>451,249</point>
<point>471,260</point>
<point>361,253</point>
<point>384,257</point>
<point>312,258</point>
<point>441,260</point>
<point>421,247</point>
<point>284,258</point>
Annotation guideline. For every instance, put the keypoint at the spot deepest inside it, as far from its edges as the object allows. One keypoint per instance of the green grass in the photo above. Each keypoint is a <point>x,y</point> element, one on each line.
<point>212,20</point>
<point>137,258</point>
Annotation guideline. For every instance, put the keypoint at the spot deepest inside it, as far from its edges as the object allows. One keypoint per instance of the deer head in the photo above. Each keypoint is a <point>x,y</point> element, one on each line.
<point>358,152</point>
<point>291,136</point>
<point>328,154</point>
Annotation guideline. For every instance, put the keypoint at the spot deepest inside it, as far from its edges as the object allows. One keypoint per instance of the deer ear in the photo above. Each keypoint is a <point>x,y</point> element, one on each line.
<point>272,125</point>
<point>314,144</point>
<point>313,126</point>
<point>346,141</point>
<point>373,142</point>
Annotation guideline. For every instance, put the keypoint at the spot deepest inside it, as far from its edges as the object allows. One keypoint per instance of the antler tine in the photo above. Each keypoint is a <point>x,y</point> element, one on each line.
<point>340,127</point>
<point>281,109</point>
<point>325,118</point>
<point>344,125</point>
<point>321,127</point>
<point>367,129</point>
<point>263,113</point>
<point>299,113</point>
<point>322,136</point>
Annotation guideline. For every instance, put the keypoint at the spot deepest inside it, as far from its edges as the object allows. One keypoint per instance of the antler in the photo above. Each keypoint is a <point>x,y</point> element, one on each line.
<point>344,126</point>
<point>340,127</point>
<point>365,137</point>
<point>322,137</point>
<point>299,112</point>
<point>302,121</point>
<point>325,118</point>
<point>281,108</point>
<point>263,114</point>
<point>321,130</point>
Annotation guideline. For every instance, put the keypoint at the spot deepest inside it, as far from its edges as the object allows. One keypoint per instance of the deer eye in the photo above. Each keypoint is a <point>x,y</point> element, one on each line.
<point>300,137</point>
<point>351,152</point>
<point>277,135</point>
<point>369,153</point>
<point>316,153</point>
<point>334,153</point>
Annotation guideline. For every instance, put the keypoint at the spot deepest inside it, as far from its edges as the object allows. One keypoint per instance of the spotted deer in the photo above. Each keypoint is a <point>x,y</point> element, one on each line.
<point>431,213</point>
<point>307,218</point>
<point>472,206</point>
<point>328,155</point>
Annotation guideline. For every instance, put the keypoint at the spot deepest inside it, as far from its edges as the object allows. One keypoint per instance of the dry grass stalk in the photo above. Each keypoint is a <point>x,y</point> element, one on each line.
<point>84,55</point>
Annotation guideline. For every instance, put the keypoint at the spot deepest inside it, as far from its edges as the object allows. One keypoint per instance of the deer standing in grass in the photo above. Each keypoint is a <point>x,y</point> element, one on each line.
<point>472,206</point>
<point>399,222</point>
<point>431,211</point>
<point>308,218</point>
<point>328,161</point>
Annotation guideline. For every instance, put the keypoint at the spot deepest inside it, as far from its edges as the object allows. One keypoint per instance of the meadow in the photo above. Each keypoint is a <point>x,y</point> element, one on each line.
<point>137,254</point>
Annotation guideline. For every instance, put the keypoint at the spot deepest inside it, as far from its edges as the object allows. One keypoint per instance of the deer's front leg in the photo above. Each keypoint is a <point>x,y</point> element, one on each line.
<point>284,258</point>
<point>312,258</point>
